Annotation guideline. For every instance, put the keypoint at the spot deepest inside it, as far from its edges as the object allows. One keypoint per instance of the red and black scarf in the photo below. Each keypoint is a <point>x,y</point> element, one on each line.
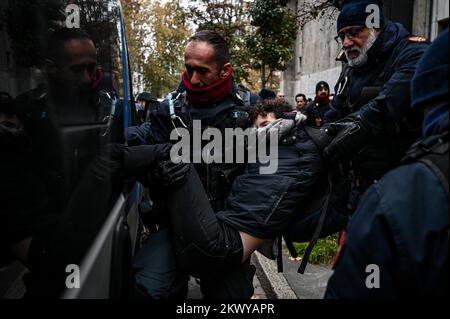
<point>208,95</point>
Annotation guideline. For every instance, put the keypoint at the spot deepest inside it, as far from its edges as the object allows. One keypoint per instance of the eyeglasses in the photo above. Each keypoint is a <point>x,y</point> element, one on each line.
<point>351,34</point>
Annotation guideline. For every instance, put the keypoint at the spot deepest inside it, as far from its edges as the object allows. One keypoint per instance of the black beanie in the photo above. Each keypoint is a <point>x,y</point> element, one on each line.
<point>322,84</point>
<point>430,81</point>
<point>353,13</point>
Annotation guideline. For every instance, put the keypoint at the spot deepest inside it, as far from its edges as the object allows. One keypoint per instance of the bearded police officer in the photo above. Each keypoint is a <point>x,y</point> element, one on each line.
<point>374,126</point>
<point>397,242</point>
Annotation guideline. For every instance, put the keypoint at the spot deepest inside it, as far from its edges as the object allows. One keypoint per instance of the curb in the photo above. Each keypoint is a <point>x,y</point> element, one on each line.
<point>274,284</point>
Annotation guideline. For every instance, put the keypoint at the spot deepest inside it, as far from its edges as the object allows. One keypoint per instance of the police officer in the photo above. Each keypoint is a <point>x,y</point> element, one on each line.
<point>373,93</point>
<point>397,242</point>
<point>211,97</point>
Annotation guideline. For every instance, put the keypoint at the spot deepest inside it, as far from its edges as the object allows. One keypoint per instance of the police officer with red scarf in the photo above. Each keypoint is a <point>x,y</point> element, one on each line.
<point>209,96</point>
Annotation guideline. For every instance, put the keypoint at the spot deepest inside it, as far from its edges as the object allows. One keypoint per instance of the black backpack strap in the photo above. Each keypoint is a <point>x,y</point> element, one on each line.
<point>280,254</point>
<point>437,162</point>
<point>291,249</point>
<point>319,227</point>
<point>247,98</point>
<point>243,95</point>
<point>433,152</point>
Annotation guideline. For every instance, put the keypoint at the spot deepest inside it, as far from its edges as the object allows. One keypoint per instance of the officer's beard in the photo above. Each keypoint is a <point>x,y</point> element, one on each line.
<point>363,56</point>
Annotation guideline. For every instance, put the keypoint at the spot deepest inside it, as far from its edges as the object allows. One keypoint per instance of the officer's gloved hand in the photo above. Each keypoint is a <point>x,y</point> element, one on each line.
<point>348,139</point>
<point>140,160</point>
<point>169,174</point>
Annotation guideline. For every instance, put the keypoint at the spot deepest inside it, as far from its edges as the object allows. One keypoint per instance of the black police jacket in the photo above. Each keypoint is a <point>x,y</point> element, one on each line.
<point>380,90</point>
<point>313,111</point>
<point>379,94</point>
<point>397,242</point>
<point>232,112</point>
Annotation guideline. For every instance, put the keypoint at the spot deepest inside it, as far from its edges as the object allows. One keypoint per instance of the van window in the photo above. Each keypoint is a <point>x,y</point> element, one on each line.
<point>63,103</point>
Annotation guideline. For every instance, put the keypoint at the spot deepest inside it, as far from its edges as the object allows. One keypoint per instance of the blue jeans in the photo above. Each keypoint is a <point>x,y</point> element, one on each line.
<point>155,268</point>
<point>157,274</point>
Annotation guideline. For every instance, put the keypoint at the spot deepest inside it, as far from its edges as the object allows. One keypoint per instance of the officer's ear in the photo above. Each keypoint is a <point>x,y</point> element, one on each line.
<point>226,71</point>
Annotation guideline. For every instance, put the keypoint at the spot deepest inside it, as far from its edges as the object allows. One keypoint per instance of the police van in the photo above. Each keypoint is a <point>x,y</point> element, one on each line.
<point>68,217</point>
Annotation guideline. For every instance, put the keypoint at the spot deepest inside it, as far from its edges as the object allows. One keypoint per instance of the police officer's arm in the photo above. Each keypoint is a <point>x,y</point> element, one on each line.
<point>136,135</point>
<point>394,98</point>
<point>160,125</point>
<point>335,111</point>
<point>368,258</point>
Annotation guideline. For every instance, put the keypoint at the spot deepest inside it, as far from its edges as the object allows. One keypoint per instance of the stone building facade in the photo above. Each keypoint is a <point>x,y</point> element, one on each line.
<point>316,50</point>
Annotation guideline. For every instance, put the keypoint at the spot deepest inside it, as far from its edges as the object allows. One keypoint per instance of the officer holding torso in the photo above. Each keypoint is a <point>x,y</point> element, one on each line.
<point>210,97</point>
<point>374,127</point>
<point>229,110</point>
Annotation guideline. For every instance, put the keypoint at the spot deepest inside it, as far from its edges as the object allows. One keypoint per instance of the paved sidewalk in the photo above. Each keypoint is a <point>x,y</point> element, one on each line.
<point>194,290</point>
<point>290,284</point>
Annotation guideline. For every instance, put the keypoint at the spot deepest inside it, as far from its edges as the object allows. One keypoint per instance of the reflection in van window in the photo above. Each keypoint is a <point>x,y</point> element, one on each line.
<point>61,109</point>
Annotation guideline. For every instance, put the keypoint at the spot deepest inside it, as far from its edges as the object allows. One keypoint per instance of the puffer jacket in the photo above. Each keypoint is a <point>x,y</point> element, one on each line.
<point>262,205</point>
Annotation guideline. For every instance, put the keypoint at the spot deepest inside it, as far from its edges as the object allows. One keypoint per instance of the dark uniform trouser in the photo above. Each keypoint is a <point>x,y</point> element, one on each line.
<point>204,247</point>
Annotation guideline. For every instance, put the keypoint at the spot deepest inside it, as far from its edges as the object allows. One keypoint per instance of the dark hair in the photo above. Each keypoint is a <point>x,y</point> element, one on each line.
<point>267,94</point>
<point>276,106</point>
<point>57,39</point>
<point>220,46</point>
<point>302,95</point>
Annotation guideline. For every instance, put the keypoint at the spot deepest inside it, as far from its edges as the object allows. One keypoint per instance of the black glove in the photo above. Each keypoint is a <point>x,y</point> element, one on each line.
<point>139,160</point>
<point>349,139</point>
<point>169,174</point>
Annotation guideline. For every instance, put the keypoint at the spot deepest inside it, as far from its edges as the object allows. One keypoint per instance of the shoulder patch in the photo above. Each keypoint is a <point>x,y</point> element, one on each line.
<point>415,38</point>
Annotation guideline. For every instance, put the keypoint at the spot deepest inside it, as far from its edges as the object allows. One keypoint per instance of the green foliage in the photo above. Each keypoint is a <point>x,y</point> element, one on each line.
<point>29,37</point>
<point>270,43</point>
<point>165,63</point>
<point>157,34</point>
<point>323,252</point>
<point>135,12</point>
<point>261,36</point>
<point>229,19</point>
